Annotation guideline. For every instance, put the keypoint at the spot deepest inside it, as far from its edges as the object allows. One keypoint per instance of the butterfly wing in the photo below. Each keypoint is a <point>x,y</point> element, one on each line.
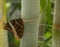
<point>18,26</point>
<point>8,27</point>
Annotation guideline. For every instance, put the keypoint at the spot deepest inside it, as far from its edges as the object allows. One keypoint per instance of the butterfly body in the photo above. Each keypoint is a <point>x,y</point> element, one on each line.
<point>18,26</point>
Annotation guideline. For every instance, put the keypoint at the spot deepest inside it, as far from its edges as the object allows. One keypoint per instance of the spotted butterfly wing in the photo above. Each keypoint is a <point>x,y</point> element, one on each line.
<point>18,26</point>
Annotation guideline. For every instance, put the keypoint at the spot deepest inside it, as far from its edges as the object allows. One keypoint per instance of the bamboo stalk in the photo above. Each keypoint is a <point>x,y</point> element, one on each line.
<point>56,25</point>
<point>30,14</point>
<point>3,33</point>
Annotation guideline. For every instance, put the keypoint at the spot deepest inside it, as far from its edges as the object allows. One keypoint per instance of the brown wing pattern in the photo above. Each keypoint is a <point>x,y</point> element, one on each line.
<point>18,26</point>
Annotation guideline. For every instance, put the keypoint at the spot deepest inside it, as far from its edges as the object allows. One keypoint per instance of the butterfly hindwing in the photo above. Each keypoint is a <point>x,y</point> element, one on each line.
<point>18,26</point>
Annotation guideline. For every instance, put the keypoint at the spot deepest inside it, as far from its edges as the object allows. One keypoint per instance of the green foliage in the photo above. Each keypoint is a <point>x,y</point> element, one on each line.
<point>47,9</point>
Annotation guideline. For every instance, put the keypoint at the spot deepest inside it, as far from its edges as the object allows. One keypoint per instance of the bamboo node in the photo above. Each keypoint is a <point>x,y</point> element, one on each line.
<point>56,26</point>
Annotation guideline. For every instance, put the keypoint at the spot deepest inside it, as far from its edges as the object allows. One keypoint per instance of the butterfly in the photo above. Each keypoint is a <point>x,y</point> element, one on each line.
<point>18,26</point>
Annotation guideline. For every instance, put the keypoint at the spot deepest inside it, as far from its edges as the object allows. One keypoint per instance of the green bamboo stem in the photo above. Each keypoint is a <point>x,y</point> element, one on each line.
<point>3,33</point>
<point>56,25</point>
<point>31,14</point>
